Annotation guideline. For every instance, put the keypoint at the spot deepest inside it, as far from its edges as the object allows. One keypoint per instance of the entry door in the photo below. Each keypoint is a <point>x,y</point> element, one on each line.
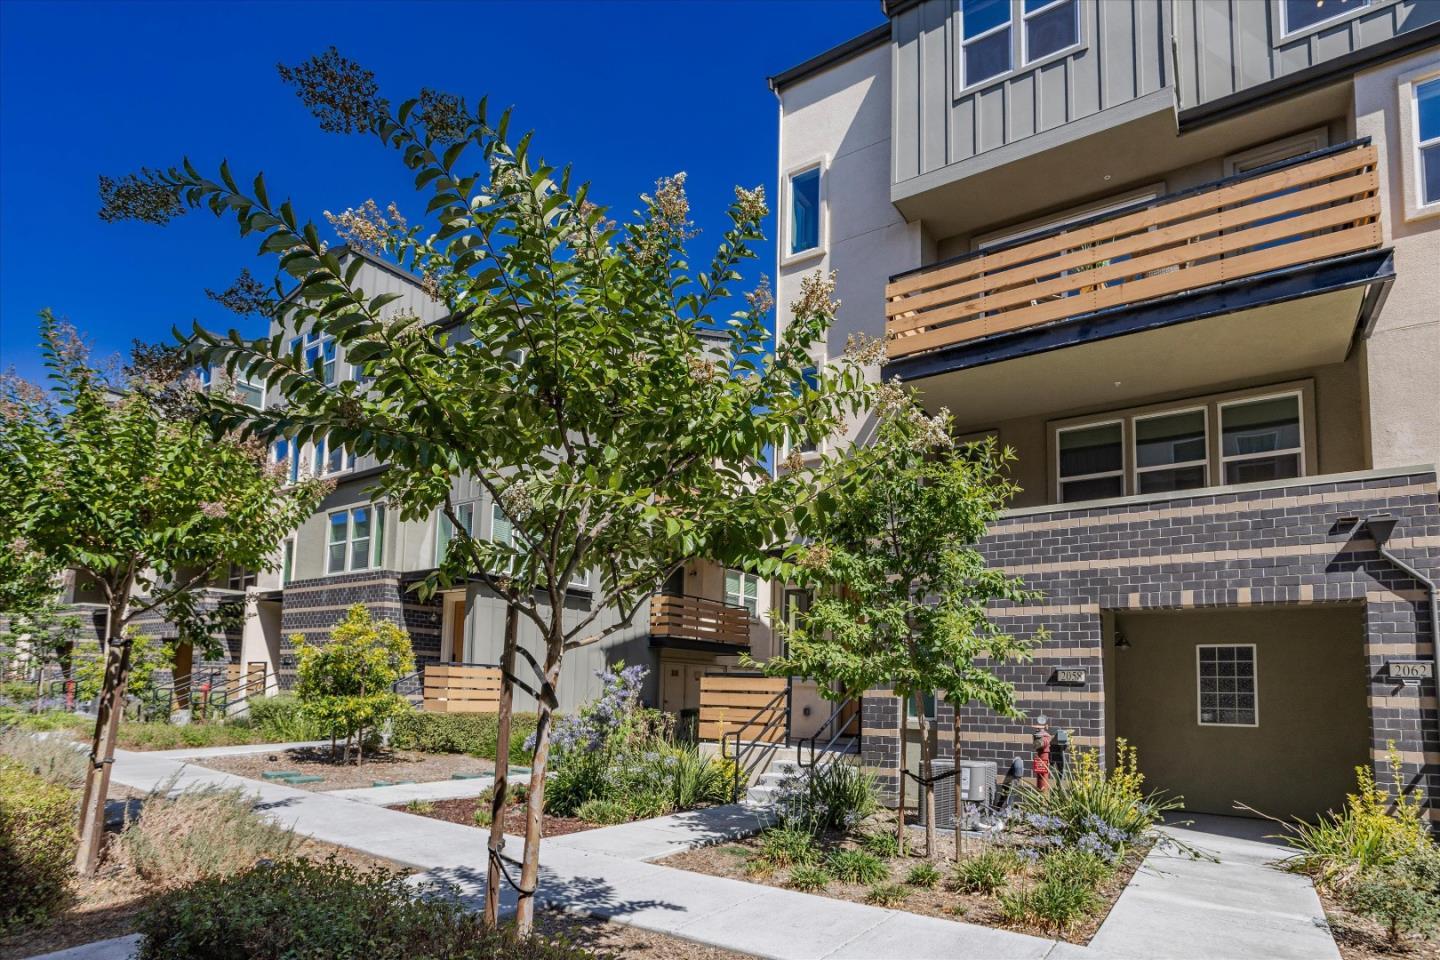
<point>680,685</point>
<point>457,630</point>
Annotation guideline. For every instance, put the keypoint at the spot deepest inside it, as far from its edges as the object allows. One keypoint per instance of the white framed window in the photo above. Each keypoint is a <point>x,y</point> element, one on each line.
<point>1297,16</point>
<point>318,352</point>
<point>1048,27</point>
<point>743,590</point>
<point>355,538</point>
<point>335,458</point>
<point>928,699</point>
<point>501,529</point>
<point>239,578</point>
<point>581,579</point>
<point>804,211</point>
<point>445,530</point>
<point>1425,103</point>
<point>985,40</point>
<point>1262,438</point>
<point>1225,677</point>
<point>1090,461</point>
<point>1171,451</point>
<point>287,562</point>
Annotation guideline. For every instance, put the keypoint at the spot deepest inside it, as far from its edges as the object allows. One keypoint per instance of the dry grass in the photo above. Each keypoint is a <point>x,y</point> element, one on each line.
<point>54,759</point>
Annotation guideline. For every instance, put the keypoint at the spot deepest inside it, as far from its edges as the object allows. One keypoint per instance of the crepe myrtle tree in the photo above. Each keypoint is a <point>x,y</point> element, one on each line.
<point>572,384</point>
<point>902,593</point>
<point>119,480</point>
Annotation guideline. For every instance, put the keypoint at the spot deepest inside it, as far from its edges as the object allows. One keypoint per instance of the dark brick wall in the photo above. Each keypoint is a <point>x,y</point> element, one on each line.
<point>312,608</point>
<point>1275,546</point>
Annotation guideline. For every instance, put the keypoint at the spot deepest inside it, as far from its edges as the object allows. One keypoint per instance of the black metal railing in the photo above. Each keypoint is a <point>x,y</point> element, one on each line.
<point>828,750</point>
<point>749,754</point>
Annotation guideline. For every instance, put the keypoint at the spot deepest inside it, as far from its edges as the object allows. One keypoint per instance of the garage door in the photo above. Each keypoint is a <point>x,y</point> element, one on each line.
<point>1263,707</point>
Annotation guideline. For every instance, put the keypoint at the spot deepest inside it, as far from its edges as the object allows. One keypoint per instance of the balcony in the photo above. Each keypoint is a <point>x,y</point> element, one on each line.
<point>1147,265</point>
<point>695,623</point>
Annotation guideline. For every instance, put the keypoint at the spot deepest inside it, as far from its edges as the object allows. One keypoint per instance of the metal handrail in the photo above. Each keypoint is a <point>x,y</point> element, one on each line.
<point>839,732</point>
<point>742,770</point>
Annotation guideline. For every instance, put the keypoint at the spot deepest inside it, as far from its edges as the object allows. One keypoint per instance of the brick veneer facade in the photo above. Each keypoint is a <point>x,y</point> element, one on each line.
<point>1273,544</point>
<point>312,608</point>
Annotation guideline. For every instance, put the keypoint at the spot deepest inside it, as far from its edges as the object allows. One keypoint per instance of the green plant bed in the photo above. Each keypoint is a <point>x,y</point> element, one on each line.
<point>472,733</point>
<point>37,844</point>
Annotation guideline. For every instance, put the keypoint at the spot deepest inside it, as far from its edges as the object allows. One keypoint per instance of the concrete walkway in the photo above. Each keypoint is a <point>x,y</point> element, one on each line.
<point>1241,906</point>
<point>1175,907</point>
<point>119,948</point>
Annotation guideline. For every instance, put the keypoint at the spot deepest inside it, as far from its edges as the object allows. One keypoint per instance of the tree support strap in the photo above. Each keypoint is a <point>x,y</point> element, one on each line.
<point>930,781</point>
<point>499,862</point>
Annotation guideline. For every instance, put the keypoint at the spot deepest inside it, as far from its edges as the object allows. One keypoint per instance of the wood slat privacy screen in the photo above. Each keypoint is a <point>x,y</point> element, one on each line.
<point>454,688</point>
<point>728,701</point>
<point>694,618</point>
<point>1307,212</point>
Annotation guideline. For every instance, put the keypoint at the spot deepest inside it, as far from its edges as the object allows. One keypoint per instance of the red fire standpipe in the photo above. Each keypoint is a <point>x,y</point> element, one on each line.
<point>1042,754</point>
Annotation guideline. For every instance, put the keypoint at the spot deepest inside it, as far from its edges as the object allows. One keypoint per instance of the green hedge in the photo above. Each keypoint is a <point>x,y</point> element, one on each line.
<point>301,910</point>
<point>472,733</point>
<point>37,845</point>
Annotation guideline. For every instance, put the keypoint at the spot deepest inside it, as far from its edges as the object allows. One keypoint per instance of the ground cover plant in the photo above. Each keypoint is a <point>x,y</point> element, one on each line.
<point>474,733</point>
<point>37,844</point>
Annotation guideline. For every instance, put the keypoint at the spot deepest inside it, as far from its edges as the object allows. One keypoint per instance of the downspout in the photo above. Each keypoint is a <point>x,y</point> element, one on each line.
<point>1380,527</point>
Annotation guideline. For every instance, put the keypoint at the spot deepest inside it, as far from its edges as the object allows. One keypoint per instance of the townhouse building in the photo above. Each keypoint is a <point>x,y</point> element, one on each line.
<point>1183,256</point>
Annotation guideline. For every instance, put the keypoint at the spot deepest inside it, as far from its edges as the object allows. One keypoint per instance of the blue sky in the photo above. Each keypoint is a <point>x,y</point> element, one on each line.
<point>628,92</point>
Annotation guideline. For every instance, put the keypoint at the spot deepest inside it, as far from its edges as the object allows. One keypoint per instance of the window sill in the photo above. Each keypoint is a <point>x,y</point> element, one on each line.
<point>804,256</point>
<point>995,81</point>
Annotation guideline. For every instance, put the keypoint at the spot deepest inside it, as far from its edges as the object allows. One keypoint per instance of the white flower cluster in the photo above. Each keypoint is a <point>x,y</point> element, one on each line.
<point>752,203</point>
<point>816,290</point>
<point>864,349</point>
<point>366,228</point>
<point>761,300</point>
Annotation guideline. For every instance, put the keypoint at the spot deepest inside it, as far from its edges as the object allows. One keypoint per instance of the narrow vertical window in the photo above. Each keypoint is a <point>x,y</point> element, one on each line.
<point>985,39</point>
<point>1427,135</point>
<point>742,590</point>
<point>501,529</point>
<point>805,210</point>
<point>378,536</point>
<point>287,563</point>
<point>1050,26</point>
<point>1092,462</point>
<point>359,538</point>
<point>339,541</point>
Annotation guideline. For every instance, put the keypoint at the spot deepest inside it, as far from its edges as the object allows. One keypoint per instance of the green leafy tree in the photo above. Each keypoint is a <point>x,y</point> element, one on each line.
<point>575,388</point>
<point>43,633</point>
<point>119,480</point>
<point>344,684</point>
<point>903,590</point>
<point>148,658</point>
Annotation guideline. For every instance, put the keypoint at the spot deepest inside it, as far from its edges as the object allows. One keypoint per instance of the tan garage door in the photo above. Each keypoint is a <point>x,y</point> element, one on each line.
<point>1265,707</point>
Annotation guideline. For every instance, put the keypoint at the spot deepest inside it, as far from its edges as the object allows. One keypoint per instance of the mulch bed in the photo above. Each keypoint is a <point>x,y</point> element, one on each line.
<point>1360,938</point>
<point>390,765</point>
<point>730,860</point>
<point>462,811</point>
<point>615,940</point>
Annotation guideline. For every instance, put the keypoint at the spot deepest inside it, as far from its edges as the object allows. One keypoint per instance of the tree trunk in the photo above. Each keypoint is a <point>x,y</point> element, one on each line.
<point>102,750</point>
<point>530,869</point>
<point>959,799</point>
<point>927,789</point>
<point>900,779</point>
<point>505,709</point>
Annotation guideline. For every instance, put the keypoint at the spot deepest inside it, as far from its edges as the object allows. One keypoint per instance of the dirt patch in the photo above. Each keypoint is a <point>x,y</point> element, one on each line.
<point>462,811</point>
<point>618,940</point>
<point>736,861</point>
<point>1360,938</point>
<point>392,765</point>
<point>109,904</point>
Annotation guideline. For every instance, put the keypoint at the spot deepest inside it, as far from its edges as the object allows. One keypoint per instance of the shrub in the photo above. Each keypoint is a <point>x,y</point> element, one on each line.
<point>149,658</point>
<point>923,875</point>
<point>597,810</point>
<point>280,719</point>
<point>1052,904</point>
<point>422,807</point>
<point>472,733</point>
<point>344,684</point>
<point>857,866</point>
<point>882,843</point>
<point>1074,865</point>
<point>887,894</point>
<point>1372,831</point>
<point>1397,896</point>
<point>163,735</point>
<point>483,816</point>
<point>52,759</point>
<point>1091,809</point>
<point>787,847</point>
<point>833,797</point>
<point>985,872</point>
<point>301,910</point>
<point>197,834</point>
<point>37,844</point>
<point>808,877</point>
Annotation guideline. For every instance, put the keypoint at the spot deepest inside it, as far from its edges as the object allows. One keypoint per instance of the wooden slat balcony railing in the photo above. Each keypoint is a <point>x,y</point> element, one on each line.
<point>695,618</point>
<point>1286,214</point>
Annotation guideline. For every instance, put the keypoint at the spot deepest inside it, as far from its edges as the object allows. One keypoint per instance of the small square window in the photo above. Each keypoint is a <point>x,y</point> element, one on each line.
<point>1225,685</point>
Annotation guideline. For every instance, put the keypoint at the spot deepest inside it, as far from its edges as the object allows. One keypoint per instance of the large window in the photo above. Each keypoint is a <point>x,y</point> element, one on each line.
<point>984,40</point>
<point>1261,439</point>
<point>1226,677</point>
<point>989,35</point>
<point>1427,137</point>
<point>1092,462</point>
<point>319,354</point>
<point>742,590</point>
<point>445,531</point>
<point>805,211</point>
<point>1302,14</point>
<point>355,539</point>
<point>1224,439</point>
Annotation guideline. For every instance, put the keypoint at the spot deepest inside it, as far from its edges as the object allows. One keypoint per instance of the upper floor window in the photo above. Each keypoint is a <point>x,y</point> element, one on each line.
<point>239,578</point>
<point>501,529</point>
<point>319,354</point>
<point>1091,462</point>
<point>1301,14</point>
<point>287,562</point>
<point>1261,439</point>
<point>1170,452</point>
<point>356,538</point>
<point>743,590</point>
<point>1427,141</point>
<point>989,35</point>
<point>445,532</point>
<point>335,457</point>
<point>804,190</point>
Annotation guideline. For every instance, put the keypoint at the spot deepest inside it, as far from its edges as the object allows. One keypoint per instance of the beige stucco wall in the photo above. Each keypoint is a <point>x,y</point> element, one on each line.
<point>1313,723</point>
<point>1403,352</point>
